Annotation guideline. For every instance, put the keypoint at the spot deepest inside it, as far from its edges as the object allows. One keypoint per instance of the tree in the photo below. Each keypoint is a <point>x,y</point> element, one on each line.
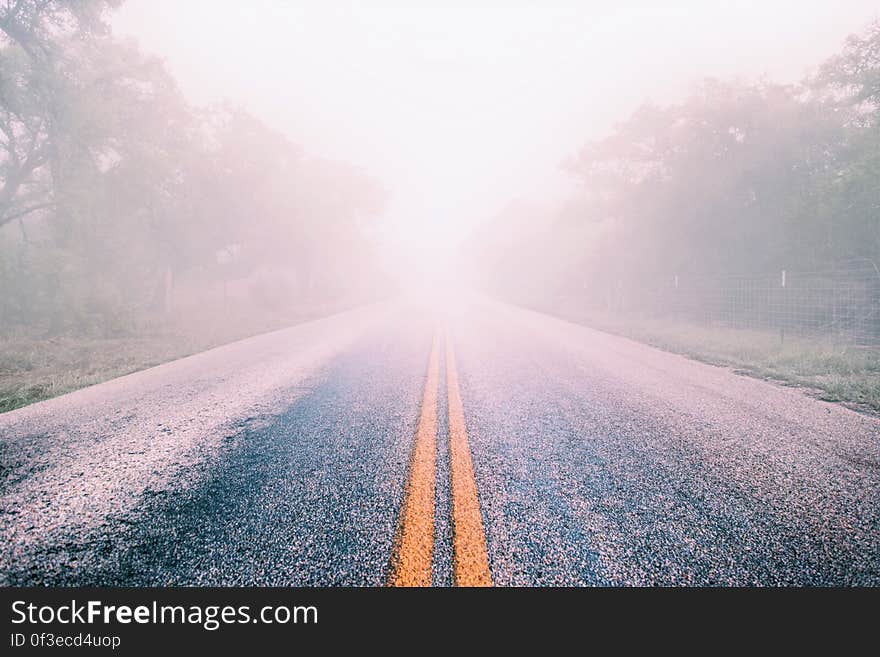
<point>714,184</point>
<point>38,70</point>
<point>35,25</point>
<point>119,189</point>
<point>850,192</point>
<point>854,73</point>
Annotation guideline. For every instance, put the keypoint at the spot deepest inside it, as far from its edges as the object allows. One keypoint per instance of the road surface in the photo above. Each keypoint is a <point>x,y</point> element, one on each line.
<point>484,444</point>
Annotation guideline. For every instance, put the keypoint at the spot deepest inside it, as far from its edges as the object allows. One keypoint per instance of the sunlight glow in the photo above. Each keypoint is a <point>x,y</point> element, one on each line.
<point>458,107</point>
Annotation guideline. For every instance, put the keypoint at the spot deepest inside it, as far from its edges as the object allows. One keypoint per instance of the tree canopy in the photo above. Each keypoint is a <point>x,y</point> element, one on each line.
<point>113,188</point>
<point>738,178</point>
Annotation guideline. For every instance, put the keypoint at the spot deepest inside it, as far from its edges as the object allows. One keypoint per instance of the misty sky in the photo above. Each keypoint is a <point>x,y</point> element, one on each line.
<point>457,110</point>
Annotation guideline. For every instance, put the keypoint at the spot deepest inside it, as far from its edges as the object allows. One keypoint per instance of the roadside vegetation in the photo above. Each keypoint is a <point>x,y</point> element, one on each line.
<point>741,178</point>
<point>831,370</point>
<point>704,210</point>
<point>36,368</point>
<point>136,228</point>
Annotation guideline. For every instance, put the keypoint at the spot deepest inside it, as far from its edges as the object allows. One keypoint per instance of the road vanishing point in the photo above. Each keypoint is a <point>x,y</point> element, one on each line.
<point>398,445</point>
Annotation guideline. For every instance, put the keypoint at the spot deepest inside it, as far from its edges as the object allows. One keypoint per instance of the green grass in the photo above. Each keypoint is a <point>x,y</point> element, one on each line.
<point>831,370</point>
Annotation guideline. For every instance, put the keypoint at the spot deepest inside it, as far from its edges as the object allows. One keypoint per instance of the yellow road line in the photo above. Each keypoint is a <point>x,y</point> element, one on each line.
<point>471,563</point>
<point>414,544</point>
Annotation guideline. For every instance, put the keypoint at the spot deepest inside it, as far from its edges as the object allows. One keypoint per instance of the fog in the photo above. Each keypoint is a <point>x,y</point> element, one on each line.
<point>460,108</point>
<point>436,292</point>
<point>164,162</point>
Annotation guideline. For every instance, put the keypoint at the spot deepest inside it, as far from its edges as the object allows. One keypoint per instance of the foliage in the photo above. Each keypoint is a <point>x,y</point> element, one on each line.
<point>740,177</point>
<point>112,189</point>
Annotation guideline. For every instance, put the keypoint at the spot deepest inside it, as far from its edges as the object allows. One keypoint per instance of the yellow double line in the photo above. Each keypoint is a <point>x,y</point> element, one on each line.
<point>412,557</point>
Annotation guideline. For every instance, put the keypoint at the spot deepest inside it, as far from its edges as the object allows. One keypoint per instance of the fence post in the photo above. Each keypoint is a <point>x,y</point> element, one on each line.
<point>782,312</point>
<point>677,312</point>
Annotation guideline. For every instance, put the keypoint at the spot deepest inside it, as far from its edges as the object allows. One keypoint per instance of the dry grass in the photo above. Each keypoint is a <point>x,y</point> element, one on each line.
<point>832,370</point>
<point>33,369</point>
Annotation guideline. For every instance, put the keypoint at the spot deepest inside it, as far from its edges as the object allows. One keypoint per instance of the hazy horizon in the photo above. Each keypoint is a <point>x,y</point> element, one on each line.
<point>522,294</point>
<point>461,110</point>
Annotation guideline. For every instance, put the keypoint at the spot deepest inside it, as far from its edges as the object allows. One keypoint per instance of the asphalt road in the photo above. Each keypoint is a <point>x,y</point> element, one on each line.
<point>320,455</point>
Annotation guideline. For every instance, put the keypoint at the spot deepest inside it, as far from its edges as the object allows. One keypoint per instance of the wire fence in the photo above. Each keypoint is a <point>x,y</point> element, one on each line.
<point>841,301</point>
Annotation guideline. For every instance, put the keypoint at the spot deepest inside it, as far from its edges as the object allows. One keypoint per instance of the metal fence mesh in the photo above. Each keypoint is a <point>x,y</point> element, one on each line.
<point>841,301</point>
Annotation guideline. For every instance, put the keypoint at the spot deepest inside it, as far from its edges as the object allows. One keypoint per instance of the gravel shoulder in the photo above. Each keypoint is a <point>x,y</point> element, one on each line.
<point>80,467</point>
<point>281,460</point>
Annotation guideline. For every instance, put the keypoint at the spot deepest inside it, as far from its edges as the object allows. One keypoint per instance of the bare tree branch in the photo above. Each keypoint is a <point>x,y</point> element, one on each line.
<point>23,212</point>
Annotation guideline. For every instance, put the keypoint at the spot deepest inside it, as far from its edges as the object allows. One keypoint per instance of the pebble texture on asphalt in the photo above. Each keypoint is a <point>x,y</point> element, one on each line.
<point>603,461</point>
<point>281,460</point>
<point>275,460</point>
